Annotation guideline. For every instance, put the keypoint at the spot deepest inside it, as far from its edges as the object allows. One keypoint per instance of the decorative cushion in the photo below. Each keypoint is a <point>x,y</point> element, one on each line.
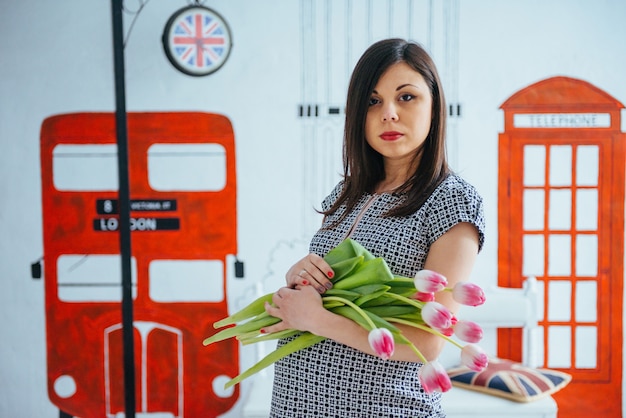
<point>511,380</point>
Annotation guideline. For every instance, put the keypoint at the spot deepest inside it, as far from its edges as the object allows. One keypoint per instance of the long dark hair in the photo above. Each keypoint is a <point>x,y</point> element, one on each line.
<point>363,166</point>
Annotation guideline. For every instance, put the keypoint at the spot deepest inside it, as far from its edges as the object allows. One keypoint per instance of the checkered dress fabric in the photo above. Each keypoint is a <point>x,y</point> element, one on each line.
<point>330,379</point>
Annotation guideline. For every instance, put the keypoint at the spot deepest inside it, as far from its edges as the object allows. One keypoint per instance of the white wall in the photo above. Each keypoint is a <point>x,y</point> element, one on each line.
<point>57,58</point>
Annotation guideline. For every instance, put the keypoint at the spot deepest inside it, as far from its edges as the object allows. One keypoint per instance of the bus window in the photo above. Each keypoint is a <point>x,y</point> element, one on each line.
<point>186,281</point>
<point>92,277</point>
<point>88,167</point>
<point>197,167</point>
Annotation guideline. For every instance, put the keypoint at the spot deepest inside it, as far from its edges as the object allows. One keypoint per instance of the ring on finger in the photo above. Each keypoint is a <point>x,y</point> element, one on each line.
<point>301,272</point>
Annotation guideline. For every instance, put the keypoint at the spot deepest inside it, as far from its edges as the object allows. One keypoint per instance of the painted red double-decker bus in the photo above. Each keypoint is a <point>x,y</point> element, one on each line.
<point>184,244</point>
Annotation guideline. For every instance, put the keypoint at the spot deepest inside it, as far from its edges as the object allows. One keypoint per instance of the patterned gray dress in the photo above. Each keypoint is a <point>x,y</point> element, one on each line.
<point>330,379</point>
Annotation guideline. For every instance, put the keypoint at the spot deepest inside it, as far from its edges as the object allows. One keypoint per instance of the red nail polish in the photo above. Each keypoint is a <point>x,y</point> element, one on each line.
<point>262,331</point>
<point>330,274</point>
<point>305,282</point>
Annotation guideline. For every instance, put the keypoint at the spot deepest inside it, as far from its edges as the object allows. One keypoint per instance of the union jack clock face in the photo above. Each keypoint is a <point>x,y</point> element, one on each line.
<point>197,40</point>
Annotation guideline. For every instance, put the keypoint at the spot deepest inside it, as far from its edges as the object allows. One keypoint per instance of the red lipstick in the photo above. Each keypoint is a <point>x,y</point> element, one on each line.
<point>390,135</point>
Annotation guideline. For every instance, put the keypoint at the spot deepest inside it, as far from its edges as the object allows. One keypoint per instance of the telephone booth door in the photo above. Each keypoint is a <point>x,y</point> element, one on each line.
<point>561,219</point>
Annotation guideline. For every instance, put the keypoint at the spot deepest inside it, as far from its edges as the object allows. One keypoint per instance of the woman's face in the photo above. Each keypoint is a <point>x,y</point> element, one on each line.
<point>399,114</point>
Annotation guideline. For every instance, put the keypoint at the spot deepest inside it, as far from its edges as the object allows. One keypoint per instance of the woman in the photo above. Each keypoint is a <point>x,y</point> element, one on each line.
<point>399,200</point>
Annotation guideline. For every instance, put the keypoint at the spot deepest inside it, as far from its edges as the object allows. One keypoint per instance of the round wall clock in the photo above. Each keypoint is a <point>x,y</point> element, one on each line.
<point>197,40</point>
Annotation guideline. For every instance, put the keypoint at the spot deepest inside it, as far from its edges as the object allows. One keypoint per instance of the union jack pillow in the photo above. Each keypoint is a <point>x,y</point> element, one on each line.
<point>511,380</point>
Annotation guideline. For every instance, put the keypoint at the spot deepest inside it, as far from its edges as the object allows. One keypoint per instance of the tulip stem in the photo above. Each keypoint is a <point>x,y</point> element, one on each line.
<point>353,306</point>
<point>424,328</point>
<point>404,299</point>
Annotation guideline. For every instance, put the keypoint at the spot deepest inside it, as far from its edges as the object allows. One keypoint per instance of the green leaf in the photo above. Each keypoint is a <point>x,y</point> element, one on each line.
<point>253,309</point>
<point>343,251</point>
<point>303,341</point>
<point>376,291</point>
<point>333,304</point>
<point>369,272</point>
<point>253,325</point>
<point>387,311</point>
<point>347,249</point>
<point>256,338</point>
<point>345,267</point>
<point>343,293</point>
<point>383,300</point>
<point>360,250</point>
<point>368,289</point>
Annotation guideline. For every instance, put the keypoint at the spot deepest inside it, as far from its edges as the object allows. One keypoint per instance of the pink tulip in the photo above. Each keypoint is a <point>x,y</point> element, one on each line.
<point>424,296</point>
<point>468,331</point>
<point>449,331</point>
<point>381,341</point>
<point>427,281</point>
<point>474,357</point>
<point>468,294</point>
<point>434,377</point>
<point>437,316</point>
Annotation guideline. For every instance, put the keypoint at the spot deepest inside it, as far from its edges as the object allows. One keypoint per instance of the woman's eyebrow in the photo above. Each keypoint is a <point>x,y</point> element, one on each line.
<point>407,84</point>
<point>400,87</point>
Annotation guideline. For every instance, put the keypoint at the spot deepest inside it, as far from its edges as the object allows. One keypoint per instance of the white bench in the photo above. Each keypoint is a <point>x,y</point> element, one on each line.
<point>505,308</point>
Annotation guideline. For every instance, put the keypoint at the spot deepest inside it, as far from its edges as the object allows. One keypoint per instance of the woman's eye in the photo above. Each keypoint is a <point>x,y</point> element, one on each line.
<point>406,97</point>
<point>373,101</point>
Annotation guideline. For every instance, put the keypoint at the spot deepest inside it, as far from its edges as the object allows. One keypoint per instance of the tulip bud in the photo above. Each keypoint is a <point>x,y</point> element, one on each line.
<point>381,341</point>
<point>468,331</point>
<point>468,294</point>
<point>424,296</point>
<point>437,316</point>
<point>427,281</point>
<point>474,357</point>
<point>434,378</point>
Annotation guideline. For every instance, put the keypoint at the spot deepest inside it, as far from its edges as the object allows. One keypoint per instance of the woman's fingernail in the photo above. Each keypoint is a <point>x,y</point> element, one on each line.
<point>262,331</point>
<point>305,282</point>
<point>330,274</point>
<point>328,285</point>
<point>321,289</point>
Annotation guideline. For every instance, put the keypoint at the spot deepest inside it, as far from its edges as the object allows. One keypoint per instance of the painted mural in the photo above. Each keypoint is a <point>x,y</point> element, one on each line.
<point>183,189</point>
<point>561,220</point>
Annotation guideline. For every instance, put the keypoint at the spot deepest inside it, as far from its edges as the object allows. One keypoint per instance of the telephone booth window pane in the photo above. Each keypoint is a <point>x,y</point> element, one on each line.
<point>187,167</point>
<point>560,296</point>
<point>534,202</point>
<point>534,165</point>
<point>559,255</point>
<point>559,347</point>
<point>587,165</point>
<point>560,209</point>
<point>587,209</point>
<point>586,255</point>
<point>586,301</point>
<point>187,281</point>
<point>533,255</point>
<point>92,278</point>
<point>561,165</point>
<point>586,347</point>
<point>85,167</point>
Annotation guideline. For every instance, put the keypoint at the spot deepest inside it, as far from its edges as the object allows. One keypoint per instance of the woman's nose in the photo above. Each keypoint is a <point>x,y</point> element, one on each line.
<point>389,113</point>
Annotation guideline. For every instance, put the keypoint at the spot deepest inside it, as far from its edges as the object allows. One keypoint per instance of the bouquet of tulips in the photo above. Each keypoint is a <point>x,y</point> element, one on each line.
<point>367,292</point>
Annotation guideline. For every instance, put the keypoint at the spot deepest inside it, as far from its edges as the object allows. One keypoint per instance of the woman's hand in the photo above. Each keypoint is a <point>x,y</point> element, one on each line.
<point>311,270</point>
<point>297,308</point>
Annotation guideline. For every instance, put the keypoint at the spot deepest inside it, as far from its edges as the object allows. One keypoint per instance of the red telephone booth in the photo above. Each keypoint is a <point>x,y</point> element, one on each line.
<point>184,242</point>
<point>561,219</point>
